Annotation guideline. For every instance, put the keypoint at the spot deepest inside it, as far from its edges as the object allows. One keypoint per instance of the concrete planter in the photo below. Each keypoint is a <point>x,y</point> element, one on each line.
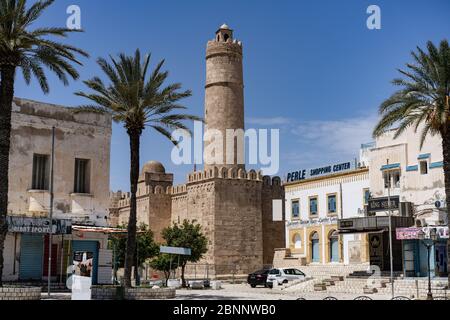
<point>119,293</point>
<point>20,293</point>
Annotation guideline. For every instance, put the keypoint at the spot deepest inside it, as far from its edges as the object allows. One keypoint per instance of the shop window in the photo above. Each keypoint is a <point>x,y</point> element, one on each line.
<point>423,167</point>
<point>82,174</point>
<point>295,209</point>
<point>313,206</point>
<point>332,203</point>
<point>40,179</point>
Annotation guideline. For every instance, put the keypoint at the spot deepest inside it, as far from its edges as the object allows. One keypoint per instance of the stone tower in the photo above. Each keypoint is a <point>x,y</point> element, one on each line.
<point>224,95</point>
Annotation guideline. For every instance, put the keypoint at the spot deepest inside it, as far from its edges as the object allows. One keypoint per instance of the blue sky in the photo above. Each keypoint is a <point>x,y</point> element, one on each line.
<point>312,68</point>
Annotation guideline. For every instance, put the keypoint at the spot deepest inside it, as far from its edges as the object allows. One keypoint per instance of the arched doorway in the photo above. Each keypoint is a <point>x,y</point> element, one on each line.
<point>315,247</point>
<point>334,246</point>
<point>297,240</point>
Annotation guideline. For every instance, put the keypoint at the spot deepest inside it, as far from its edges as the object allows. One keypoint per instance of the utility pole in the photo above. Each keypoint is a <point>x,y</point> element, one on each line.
<point>390,234</point>
<point>50,236</point>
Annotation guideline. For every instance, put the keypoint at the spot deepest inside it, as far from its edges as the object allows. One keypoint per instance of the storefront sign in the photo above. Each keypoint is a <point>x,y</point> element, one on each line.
<point>408,233</point>
<point>38,225</point>
<point>312,222</point>
<point>413,233</point>
<point>318,172</point>
<point>382,204</point>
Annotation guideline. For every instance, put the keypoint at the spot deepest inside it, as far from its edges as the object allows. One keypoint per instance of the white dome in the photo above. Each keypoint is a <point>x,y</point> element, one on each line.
<point>225,26</point>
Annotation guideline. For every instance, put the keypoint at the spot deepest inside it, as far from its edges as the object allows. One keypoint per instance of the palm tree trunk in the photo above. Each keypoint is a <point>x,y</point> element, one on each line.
<point>135,136</point>
<point>183,279</point>
<point>6,99</point>
<point>446,152</point>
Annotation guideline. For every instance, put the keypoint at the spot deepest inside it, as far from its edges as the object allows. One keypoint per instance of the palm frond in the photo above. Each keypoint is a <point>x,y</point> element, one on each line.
<point>135,99</point>
<point>34,51</point>
<point>422,98</point>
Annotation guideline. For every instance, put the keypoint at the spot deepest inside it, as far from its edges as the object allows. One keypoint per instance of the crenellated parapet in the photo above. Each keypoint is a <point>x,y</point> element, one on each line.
<point>178,190</point>
<point>224,173</point>
<point>142,192</point>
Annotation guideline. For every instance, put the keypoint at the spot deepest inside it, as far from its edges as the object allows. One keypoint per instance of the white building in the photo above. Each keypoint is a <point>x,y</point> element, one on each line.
<point>414,178</point>
<point>416,174</point>
<point>315,200</point>
<point>81,191</point>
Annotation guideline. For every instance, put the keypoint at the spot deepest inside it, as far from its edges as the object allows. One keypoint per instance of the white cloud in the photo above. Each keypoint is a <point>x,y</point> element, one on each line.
<point>320,142</point>
<point>268,121</point>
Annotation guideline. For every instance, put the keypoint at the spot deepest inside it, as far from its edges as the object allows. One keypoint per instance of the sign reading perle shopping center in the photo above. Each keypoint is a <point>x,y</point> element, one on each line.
<point>318,172</point>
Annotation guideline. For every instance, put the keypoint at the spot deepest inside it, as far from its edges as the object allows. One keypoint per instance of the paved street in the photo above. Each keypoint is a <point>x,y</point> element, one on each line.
<point>245,292</point>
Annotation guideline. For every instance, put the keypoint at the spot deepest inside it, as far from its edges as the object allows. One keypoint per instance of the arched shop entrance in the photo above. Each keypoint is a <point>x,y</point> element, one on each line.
<point>334,246</point>
<point>315,247</point>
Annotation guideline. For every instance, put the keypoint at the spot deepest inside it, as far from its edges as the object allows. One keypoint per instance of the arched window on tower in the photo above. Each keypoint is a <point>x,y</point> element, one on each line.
<point>226,37</point>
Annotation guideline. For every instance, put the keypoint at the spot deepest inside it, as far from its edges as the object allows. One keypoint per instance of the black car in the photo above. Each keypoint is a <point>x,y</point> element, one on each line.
<point>258,278</point>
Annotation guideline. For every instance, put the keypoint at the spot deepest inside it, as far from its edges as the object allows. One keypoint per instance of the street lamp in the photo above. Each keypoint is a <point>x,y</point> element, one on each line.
<point>391,254</point>
<point>428,245</point>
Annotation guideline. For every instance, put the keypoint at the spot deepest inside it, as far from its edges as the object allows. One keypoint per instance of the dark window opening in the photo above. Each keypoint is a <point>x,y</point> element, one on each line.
<point>40,179</point>
<point>423,167</point>
<point>82,173</point>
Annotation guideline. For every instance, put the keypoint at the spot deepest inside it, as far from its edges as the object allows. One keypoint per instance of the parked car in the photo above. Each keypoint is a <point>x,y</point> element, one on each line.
<point>258,278</point>
<point>283,275</point>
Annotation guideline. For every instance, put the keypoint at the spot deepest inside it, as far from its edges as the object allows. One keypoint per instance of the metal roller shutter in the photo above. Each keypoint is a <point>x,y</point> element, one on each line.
<point>31,255</point>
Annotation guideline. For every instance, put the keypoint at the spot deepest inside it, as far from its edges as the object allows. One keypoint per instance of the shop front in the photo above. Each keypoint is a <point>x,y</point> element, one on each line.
<point>377,228</point>
<point>415,251</point>
<point>27,252</point>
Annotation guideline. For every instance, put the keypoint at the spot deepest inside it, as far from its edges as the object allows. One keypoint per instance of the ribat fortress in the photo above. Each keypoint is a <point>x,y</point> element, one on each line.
<point>234,206</point>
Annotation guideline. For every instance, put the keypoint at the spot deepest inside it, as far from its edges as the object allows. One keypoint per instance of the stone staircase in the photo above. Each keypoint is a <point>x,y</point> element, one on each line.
<point>354,279</point>
<point>324,272</point>
<point>325,277</point>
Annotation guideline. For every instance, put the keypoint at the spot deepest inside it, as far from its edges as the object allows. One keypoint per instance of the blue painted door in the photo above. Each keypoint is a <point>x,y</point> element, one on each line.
<point>88,246</point>
<point>315,251</point>
<point>334,250</point>
<point>31,255</point>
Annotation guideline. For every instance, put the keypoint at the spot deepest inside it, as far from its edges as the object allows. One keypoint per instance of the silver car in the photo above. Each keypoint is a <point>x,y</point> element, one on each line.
<point>283,275</point>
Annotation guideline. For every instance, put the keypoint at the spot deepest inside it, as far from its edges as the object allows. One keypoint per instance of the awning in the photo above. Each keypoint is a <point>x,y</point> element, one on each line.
<point>373,224</point>
<point>105,230</point>
<point>390,166</point>
<point>424,156</point>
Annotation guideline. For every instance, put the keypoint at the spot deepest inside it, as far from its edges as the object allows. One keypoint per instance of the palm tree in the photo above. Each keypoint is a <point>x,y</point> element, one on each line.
<point>137,102</point>
<point>31,51</point>
<point>424,98</point>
